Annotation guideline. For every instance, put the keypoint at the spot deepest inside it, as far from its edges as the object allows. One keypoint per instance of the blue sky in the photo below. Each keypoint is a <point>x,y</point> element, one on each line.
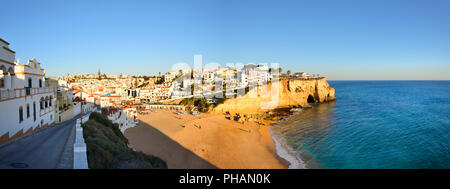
<point>340,39</point>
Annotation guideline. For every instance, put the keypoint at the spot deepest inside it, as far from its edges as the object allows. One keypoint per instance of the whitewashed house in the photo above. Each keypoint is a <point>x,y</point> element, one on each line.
<point>301,75</point>
<point>26,104</point>
<point>169,76</point>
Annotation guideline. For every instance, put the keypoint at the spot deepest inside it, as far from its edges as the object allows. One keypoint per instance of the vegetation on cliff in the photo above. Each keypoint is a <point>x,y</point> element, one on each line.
<point>201,103</point>
<point>107,147</point>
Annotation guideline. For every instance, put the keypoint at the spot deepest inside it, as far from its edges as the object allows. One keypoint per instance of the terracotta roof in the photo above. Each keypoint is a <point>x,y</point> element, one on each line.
<point>77,91</point>
<point>77,99</point>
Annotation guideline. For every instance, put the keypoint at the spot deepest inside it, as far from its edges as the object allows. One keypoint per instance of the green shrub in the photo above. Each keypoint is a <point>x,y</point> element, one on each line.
<point>107,147</point>
<point>201,103</point>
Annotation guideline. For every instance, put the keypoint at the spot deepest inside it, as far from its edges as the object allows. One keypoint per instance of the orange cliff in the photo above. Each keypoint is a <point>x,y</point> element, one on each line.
<point>282,94</point>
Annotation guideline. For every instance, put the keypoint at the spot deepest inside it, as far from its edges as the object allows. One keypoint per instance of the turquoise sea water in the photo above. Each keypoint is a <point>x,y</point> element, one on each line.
<point>374,124</point>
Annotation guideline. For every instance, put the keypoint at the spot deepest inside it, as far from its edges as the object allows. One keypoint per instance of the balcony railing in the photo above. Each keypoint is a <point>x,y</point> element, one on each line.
<point>7,94</point>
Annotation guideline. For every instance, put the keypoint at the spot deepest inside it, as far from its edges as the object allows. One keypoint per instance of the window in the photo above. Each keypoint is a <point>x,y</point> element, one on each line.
<point>41,103</point>
<point>50,102</point>
<point>30,83</point>
<point>20,114</point>
<point>46,103</point>
<point>34,111</point>
<point>40,83</point>
<point>51,117</point>
<point>28,110</point>
<point>2,83</point>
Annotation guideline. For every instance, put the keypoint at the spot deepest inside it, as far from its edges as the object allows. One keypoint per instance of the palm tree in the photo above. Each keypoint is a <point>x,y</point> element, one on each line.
<point>288,73</point>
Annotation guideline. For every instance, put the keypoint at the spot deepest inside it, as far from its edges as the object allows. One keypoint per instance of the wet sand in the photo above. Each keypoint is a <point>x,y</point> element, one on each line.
<point>205,141</point>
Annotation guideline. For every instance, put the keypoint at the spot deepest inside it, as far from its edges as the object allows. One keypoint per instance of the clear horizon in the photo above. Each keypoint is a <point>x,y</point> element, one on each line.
<point>341,40</point>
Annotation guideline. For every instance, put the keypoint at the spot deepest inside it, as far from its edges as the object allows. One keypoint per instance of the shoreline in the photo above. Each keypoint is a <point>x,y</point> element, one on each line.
<point>297,158</point>
<point>283,149</point>
<point>205,141</point>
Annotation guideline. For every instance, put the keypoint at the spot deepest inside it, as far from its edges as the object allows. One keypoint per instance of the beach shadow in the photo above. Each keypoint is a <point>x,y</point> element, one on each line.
<point>151,141</point>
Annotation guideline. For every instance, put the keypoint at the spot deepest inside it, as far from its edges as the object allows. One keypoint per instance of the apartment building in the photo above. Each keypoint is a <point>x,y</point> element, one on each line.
<point>26,104</point>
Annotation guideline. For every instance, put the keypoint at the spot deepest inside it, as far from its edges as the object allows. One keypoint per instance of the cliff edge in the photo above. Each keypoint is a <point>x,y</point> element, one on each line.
<point>282,94</point>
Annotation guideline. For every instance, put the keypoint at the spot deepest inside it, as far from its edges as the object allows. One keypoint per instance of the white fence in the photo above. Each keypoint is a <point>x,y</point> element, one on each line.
<point>79,147</point>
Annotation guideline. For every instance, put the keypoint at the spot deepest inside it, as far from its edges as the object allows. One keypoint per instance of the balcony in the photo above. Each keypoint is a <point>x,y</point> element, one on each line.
<point>8,94</point>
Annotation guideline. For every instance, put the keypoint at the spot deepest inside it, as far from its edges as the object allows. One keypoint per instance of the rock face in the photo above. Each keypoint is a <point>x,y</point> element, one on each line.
<point>285,93</point>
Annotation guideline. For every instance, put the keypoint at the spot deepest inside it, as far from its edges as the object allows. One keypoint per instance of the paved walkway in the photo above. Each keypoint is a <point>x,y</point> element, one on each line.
<point>49,148</point>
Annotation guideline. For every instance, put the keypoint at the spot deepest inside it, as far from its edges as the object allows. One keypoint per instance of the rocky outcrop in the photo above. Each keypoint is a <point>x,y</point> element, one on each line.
<point>283,94</point>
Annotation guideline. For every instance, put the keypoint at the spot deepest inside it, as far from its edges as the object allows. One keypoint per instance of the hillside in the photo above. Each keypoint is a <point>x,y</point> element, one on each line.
<point>107,148</point>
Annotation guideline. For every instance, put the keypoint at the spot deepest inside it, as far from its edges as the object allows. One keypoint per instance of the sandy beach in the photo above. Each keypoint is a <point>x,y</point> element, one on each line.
<point>205,141</point>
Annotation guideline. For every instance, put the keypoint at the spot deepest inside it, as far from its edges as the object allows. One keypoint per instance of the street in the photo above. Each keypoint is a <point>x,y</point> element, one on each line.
<point>41,150</point>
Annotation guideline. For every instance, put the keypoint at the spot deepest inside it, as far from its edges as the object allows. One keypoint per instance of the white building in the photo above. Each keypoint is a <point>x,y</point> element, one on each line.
<point>169,76</point>
<point>254,75</point>
<point>26,105</point>
<point>125,118</point>
<point>301,74</point>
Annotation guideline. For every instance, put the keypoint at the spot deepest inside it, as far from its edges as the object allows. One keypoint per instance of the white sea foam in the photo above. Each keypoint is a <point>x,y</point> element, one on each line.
<point>286,152</point>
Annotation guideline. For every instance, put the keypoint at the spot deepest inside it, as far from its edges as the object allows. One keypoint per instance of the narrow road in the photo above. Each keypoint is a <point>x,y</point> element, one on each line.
<point>41,150</point>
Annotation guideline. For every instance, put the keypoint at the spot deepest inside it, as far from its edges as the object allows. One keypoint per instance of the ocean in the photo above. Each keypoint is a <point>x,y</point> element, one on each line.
<point>371,125</point>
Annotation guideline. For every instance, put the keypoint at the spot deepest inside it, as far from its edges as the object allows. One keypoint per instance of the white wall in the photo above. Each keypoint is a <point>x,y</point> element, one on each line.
<point>9,114</point>
<point>88,107</point>
<point>122,119</point>
<point>5,54</point>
